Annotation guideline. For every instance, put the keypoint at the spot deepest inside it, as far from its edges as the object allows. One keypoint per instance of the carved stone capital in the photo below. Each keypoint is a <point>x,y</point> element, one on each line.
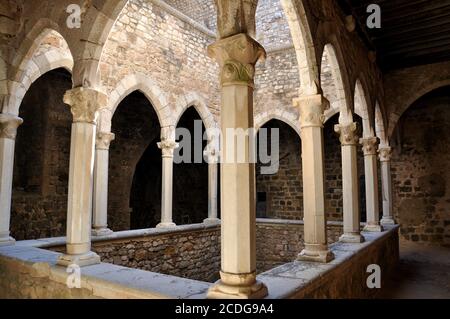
<point>348,133</point>
<point>211,154</point>
<point>8,125</point>
<point>104,140</point>
<point>385,154</point>
<point>85,103</point>
<point>311,110</point>
<point>237,56</point>
<point>369,145</point>
<point>167,147</point>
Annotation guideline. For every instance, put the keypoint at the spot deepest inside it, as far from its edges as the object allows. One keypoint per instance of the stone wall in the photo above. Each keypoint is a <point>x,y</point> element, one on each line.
<point>171,52</point>
<point>29,272</point>
<point>201,11</point>
<point>277,82</point>
<point>420,170</point>
<point>280,195</point>
<point>280,243</point>
<point>193,251</point>
<point>348,279</point>
<point>194,255</point>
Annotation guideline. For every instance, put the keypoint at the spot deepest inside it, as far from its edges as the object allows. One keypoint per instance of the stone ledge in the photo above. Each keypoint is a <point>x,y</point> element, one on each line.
<point>127,234</point>
<point>28,264</point>
<point>99,281</point>
<point>291,280</point>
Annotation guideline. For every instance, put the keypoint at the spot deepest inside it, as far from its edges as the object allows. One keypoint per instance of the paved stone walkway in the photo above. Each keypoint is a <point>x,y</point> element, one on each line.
<point>423,272</point>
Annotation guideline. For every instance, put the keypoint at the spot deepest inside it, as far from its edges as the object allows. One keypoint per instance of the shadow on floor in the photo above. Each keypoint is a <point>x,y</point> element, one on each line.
<point>423,273</point>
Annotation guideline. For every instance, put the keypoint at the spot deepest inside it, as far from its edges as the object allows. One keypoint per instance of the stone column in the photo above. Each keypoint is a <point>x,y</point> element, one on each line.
<point>212,159</point>
<point>370,146</point>
<point>237,56</point>
<point>8,129</point>
<point>84,104</point>
<point>386,185</point>
<point>315,233</point>
<point>349,141</point>
<point>167,146</point>
<point>100,209</point>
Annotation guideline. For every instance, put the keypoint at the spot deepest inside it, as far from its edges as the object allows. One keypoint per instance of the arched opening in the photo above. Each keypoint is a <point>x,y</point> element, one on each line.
<point>42,155</point>
<point>190,177</point>
<point>135,165</point>
<point>333,87</point>
<point>279,191</point>
<point>421,169</point>
<point>333,172</point>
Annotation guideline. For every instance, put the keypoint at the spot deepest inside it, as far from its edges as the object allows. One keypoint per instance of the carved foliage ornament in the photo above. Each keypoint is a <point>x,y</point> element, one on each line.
<point>369,145</point>
<point>385,154</point>
<point>167,147</point>
<point>237,56</point>
<point>348,133</point>
<point>8,126</point>
<point>85,103</point>
<point>104,140</point>
<point>311,110</point>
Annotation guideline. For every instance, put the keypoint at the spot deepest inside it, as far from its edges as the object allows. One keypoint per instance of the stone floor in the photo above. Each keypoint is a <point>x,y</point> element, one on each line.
<point>423,272</point>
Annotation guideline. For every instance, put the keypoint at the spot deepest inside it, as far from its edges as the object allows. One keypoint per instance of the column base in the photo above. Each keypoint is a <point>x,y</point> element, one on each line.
<point>237,286</point>
<point>7,241</point>
<point>166,225</point>
<point>387,221</point>
<point>210,221</point>
<point>82,260</point>
<point>352,238</point>
<point>321,256</point>
<point>373,228</point>
<point>101,232</point>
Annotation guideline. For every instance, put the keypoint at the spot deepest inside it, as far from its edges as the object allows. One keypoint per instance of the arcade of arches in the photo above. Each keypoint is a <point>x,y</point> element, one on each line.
<point>89,123</point>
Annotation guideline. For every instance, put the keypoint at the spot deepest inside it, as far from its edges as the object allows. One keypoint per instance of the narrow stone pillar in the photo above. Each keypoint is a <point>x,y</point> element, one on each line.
<point>167,146</point>
<point>100,211</point>
<point>315,229</point>
<point>8,130</point>
<point>212,159</point>
<point>370,146</point>
<point>386,185</point>
<point>84,104</point>
<point>352,214</point>
<point>237,56</point>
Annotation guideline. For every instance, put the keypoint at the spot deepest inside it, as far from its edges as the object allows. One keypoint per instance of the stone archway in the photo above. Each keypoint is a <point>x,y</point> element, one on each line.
<point>41,167</point>
<point>279,192</point>
<point>135,165</point>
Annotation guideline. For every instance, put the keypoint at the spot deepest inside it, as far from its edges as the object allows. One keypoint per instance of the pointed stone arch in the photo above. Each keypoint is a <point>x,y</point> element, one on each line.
<point>380,125</point>
<point>289,118</point>
<point>29,67</point>
<point>362,109</point>
<point>304,46</point>
<point>342,102</point>
<point>193,99</point>
<point>414,96</point>
<point>144,84</point>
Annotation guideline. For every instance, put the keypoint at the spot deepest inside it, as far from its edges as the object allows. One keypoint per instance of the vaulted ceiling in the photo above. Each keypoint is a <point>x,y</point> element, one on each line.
<point>413,32</point>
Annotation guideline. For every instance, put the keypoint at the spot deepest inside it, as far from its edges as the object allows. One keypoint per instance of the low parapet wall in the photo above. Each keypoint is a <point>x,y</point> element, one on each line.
<point>27,271</point>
